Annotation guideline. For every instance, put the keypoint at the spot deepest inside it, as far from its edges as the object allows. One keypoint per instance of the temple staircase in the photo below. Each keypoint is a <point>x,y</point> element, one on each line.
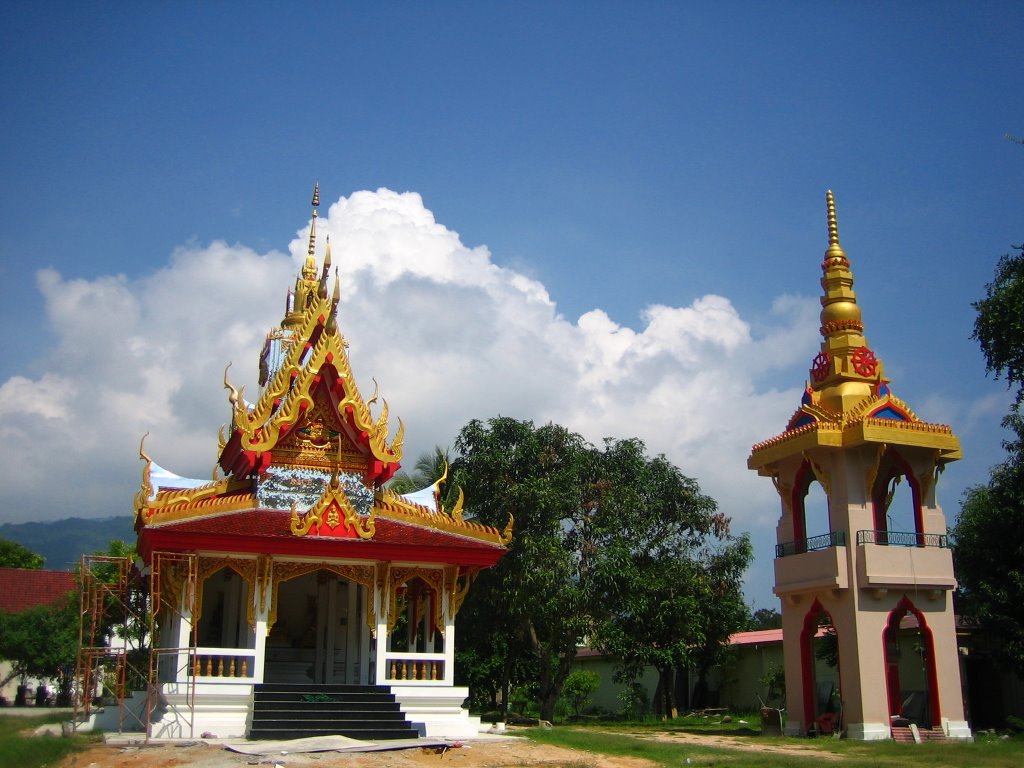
<point>904,734</point>
<point>295,711</point>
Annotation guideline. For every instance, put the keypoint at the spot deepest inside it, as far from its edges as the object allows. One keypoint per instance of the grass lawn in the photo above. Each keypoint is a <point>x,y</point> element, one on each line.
<point>19,748</point>
<point>639,741</point>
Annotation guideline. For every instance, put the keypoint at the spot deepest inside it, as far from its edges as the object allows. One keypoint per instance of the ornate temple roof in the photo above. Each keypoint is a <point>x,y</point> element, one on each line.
<point>848,400</point>
<point>309,459</point>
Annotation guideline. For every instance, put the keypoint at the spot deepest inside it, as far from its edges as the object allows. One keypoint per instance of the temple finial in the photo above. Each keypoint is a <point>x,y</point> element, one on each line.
<point>835,250</point>
<point>312,224</point>
<point>309,270</point>
<point>833,227</point>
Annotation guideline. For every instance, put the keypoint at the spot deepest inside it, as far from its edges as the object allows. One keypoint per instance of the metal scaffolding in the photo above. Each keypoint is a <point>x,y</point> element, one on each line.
<point>122,611</point>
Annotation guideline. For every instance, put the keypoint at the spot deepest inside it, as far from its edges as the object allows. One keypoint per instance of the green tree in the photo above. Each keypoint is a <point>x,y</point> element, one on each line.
<point>665,573</point>
<point>530,609</point>
<point>579,687</point>
<point>43,642</point>
<point>608,544</point>
<point>14,555</point>
<point>428,469</point>
<point>989,550</point>
<point>766,618</point>
<point>989,534</point>
<point>999,327</point>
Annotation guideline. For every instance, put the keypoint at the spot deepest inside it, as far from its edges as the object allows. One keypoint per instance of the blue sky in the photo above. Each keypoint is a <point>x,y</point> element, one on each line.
<point>614,156</point>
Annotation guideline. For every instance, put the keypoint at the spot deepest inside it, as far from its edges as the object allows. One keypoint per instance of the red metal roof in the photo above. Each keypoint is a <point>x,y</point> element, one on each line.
<point>22,588</point>
<point>268,531</point>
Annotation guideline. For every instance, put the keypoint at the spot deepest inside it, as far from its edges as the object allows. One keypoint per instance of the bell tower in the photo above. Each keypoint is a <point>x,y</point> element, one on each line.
<point>867,611</point>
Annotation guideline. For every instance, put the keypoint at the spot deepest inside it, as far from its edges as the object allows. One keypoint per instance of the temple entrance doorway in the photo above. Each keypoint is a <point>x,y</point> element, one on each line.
<point>318,636</point>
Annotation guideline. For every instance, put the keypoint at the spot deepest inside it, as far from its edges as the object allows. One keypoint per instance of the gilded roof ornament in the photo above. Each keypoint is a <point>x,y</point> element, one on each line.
<point>848,401</point>
<point>314,357</point>
<point>835,250</point>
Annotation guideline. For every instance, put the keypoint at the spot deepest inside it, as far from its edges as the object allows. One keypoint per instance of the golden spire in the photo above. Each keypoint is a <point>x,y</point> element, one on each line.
<point>846,367</point>
<point>309,270</point>
<point>835,250</point>
<point>306,286</point>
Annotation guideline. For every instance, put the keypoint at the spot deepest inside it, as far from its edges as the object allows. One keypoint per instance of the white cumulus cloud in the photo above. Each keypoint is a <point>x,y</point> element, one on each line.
<point>448,333</point>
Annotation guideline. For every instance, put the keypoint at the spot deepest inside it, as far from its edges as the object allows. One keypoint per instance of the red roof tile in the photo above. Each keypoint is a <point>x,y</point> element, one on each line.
<point>22,588</point>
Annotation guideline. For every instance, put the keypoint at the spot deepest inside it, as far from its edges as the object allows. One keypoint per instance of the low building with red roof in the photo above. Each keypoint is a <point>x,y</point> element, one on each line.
<point>23,588</point>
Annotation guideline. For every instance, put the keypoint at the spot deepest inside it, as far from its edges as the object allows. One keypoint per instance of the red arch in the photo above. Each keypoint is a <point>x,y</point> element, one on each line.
<point>801,486</point>
<point>894,465</point>
<point>904,606</point>
<point>807,635</point>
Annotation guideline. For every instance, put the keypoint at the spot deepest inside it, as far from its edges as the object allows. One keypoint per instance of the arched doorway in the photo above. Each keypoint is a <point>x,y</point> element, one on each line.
<point>910,674</point>
<point>820,671</point>
<point>317,635</point>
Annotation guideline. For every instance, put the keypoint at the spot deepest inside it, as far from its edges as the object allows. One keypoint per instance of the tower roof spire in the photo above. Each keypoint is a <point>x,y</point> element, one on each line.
<point>835,250</point>
<point>846,367</point>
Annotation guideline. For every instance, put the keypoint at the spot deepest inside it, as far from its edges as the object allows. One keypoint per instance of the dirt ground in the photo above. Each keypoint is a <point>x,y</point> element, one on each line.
<point>492,753</point>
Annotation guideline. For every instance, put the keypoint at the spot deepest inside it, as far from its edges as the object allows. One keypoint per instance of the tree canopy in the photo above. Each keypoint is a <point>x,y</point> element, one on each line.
<point>999,327</point>
<point>14,555</point>
<point>989,535</point>
<point>609,545</point>
<point>533,600</point>
<point>43,642</point>
<point>766,618</point>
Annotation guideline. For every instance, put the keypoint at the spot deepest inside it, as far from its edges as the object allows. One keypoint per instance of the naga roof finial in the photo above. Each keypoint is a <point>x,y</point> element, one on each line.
<point>322,289</point>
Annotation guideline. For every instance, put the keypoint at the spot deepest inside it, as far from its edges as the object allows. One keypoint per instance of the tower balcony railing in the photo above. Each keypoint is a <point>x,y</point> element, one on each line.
<point>825,541</point>
<point>903,539</point>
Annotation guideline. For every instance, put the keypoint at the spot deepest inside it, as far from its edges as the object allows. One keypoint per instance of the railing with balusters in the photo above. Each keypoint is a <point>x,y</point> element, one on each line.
<point>416,668</point>
<point>222,663</point>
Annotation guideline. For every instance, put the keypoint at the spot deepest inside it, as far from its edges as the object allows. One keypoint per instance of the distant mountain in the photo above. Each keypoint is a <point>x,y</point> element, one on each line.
<point>63,542</point>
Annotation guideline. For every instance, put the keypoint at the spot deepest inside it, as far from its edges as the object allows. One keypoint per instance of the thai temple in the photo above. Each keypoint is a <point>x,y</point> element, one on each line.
<point>294,594</point>
<point>882,597</point>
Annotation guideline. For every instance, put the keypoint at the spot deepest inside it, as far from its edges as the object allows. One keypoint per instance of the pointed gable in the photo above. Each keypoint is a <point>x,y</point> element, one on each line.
<point>311,454</point>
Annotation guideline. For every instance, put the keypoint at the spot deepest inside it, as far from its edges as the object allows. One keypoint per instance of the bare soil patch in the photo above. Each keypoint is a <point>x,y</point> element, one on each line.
<point>472,754</point>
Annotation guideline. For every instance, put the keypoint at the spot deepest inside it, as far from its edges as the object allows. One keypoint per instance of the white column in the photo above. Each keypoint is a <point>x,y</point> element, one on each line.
<point>381,670</point>
<point>261,631</point>
<point>353,641</point>
<point>183,640</point>
<point>449,636</point>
